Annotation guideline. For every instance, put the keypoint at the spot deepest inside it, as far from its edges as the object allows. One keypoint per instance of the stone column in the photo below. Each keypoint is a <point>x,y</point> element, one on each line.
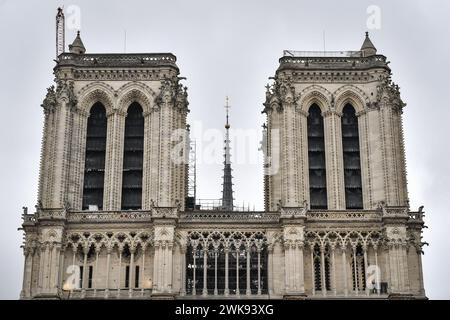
<point>215,271</point>
<point>95,277</point>
<point>237,272</point>
<point>25,293</point>
<point>259,271</point>
<point>344,270</point>
<point>119,280</point>
<point>112,199</point>
<point>289,156</point>
<point>131,275</point>
<point>42,253</point>
<point>333,262</point>
<point>194,289</point>
<point>373,173</point>
<point>302,142</point>
<point>164,231</point>
<point>287,267</point>
<point>313,279</point>
<point>205,271</point>
<point>50,266</point>
<point>226,249</point>
<point>61,271</point>
<point>248,290</point>
<point>165,172</point>
<point>183,270</point>
<point>322,270</point>
<point>83,284</point>
<point>378,271</point>
<point>54,282</point>
<point>270,269</point>
<point>169,266</point>
<point>300,268</point>
<point>334,160</point>
<point>366,264</point>
<point>147,178</point>
<point>59,162</point>
<point>355,266</point>
<point>77,159</point>
<point>144,246</point>
<point>394,219</point>
<point>365,159</point>
<point>77,284</point>
<point>108,261</point>
<point>419,265</point>
<point>404,267</point>
<point>293,230</point>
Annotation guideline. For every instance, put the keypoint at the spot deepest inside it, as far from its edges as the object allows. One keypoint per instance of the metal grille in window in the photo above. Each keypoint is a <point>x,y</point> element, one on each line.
<point>316,157</point>
<point>352,163</point>
<point>94,168</point>
<point>133,158</point>
<point>216,272</point>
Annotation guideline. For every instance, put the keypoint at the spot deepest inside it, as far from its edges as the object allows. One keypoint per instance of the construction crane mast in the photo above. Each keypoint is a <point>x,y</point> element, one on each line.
<point>60,31</point>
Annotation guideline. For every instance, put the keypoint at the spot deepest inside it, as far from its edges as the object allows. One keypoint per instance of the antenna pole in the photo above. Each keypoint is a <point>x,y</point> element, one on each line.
<point>125,41</point>
<point>323,35</point>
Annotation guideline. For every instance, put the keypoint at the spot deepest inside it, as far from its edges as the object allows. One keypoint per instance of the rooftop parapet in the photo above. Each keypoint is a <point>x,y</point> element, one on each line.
<point>122,60</point>
<point>330,60</point>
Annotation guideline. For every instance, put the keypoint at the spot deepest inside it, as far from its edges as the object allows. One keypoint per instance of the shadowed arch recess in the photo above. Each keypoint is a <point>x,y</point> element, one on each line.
<point>316,159</point>
<point>133,154</point>
<point>352,158</point>
<point>94,166</point>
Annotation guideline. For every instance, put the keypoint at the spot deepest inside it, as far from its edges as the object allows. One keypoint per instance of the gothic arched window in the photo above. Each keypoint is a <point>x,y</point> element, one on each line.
<point>94,166</point>
<point>316,158</point>
<point>352,163</point>
<point>133,158</point>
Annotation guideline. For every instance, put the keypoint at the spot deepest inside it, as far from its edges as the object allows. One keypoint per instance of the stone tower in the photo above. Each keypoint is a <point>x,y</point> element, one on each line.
<point>335,148</point>
<point>111,125</point>
<point>348,151</point>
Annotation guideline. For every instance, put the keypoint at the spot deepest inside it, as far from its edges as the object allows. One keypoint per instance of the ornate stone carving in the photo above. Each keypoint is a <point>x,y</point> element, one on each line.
<point>65,92</point>
<point>49,103</point>
<point>388,93</point>
<point>168,212</point>
<point>166,93</point>
<point>299,212</point>
<point>181,95</point>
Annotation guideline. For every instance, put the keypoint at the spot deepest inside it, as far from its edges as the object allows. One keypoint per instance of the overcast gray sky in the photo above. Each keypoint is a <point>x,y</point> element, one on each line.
<point>230,48</point>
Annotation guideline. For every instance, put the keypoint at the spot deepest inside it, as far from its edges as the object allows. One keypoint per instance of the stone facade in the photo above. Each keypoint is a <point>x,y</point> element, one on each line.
<point>290,250</point>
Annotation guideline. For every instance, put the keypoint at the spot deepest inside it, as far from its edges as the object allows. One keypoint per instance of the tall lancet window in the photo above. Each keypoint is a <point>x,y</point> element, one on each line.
<point>352,163</point>
<point>316,158</point>
<point>94,166</point>
<point>133,158</point>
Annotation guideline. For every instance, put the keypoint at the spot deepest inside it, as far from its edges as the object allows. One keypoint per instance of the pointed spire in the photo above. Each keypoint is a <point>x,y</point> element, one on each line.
<point>227,191</point>
<point>77,45</point>
<point>367,48</point>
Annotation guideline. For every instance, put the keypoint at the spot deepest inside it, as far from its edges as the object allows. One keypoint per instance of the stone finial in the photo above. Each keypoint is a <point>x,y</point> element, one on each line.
<point>367,48</point>
<point>77,45</point>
